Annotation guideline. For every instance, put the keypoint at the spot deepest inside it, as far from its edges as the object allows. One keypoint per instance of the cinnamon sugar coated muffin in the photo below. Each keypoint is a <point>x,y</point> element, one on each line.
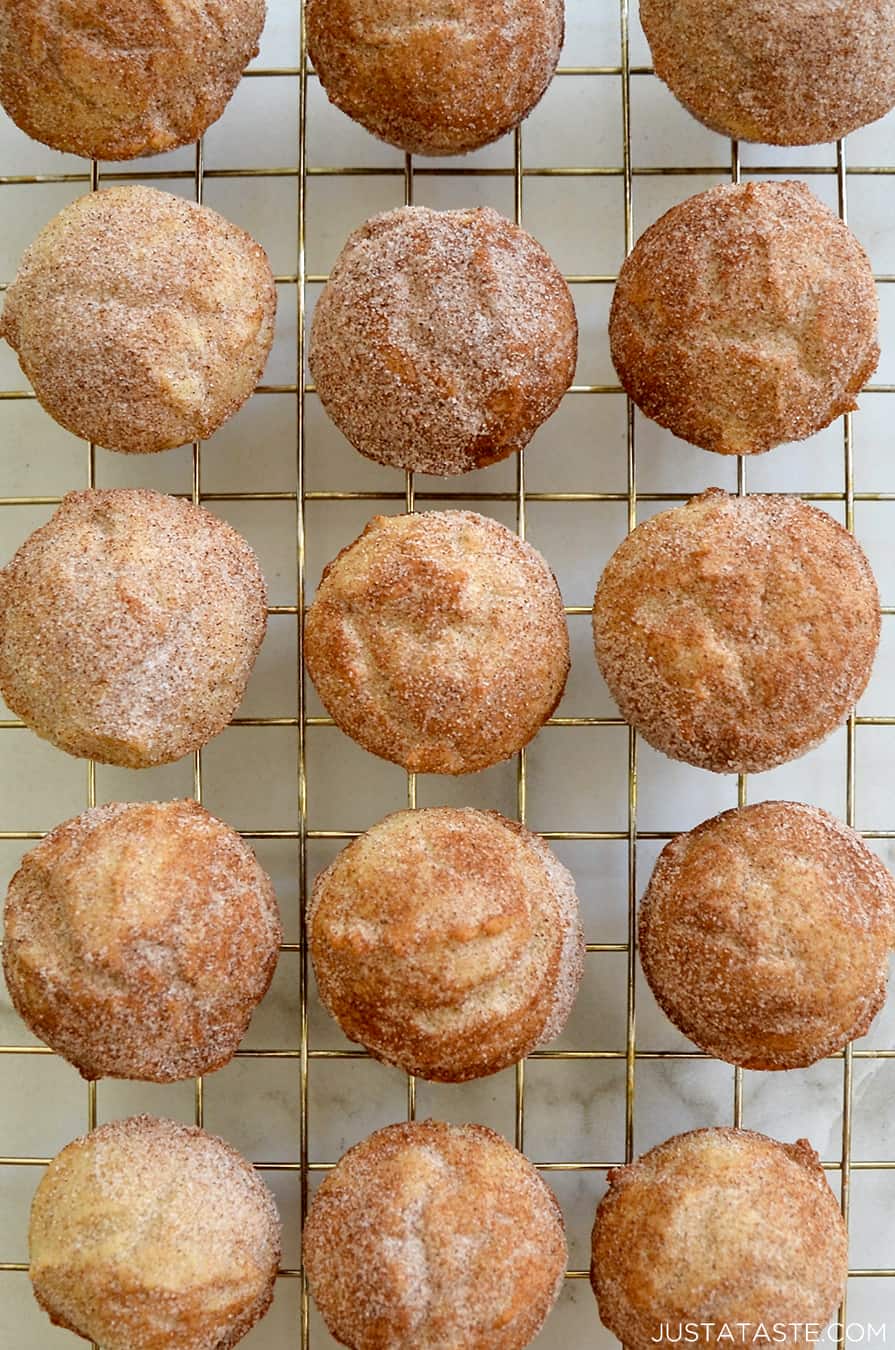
<point>113,79</point>
<point>142,320</point>
<point>429,1235</point>
<point>438,641</point>
<point>745,317</point>
<point>786,74</point>
<point>718,1226</point>
<point>129,625</point>
<point>735,633</point>
<point>436,77</point>
<point>443,339</point>
<point>139,940</point>
<point>765,935</point>
<point>151,1235</point>
<point>447,942</point>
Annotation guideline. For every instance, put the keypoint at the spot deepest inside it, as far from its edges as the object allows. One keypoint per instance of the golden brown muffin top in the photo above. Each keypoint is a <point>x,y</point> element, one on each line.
<point>435,77</point>
<point>138,939</point>
<point>129,625</point>
<point>787,74</point>
<point>735,633</point>
<point>765,935</point>
<point>447,941</point>
<point>443,339</point>
<point>113,79</point>
<point>142,320</point>
<point>439,641</point>
<point>148,1234</point>
<point>745,317</point>
<point>428,1236</point>
<point>721,1226</point>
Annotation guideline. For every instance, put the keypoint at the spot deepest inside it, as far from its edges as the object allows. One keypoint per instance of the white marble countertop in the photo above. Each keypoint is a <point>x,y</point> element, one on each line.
<point>577,777</point>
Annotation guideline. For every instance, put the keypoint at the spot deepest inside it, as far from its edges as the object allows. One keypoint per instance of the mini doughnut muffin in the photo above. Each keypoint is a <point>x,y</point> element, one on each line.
<point>438,641</point>
<point>719,1226</point>
<point>786,74</point>
<point>429,1235</point>
<point>139,940</point>
<point>151,1235</point>
<point>745,317</point>
<point>143,321</point>
<point>735,633</point>
<point>765,935</point>
<point>111,79</point>
<point>443,339</point>
<point>447,942</point>
<point>437,77</point>
<point>129,625</point>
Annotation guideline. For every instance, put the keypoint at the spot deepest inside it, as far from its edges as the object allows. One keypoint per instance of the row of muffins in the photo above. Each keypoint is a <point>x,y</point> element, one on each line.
<point>735,633</point>
<point>150,1233</point>
<point>434,79</point>
<point>138,938</point>
<point>744,318</point>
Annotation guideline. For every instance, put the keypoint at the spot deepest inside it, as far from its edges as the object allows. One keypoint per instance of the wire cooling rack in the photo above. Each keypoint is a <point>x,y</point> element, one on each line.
<point>303,1054</point>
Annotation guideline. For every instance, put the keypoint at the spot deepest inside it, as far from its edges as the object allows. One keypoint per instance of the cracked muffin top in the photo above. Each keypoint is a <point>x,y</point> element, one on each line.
<point>438,640</point>
<point>765,935</point>
<point>443,339</point>
<point>435,77</point>
<point>719,1228</point>
<point>129,626</point>
<point>147,1234</point>
<point>735,633</point>
<point>785,74</point>
<point>745,317</point>
<point>138,940</point>
<point>114,79</point>
<point>447,941</point>
<point>142,320</point>
<point>427,1236</point>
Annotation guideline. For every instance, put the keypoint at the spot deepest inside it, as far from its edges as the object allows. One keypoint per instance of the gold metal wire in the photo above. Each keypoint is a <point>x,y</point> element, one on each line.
<point>631,1055</point>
